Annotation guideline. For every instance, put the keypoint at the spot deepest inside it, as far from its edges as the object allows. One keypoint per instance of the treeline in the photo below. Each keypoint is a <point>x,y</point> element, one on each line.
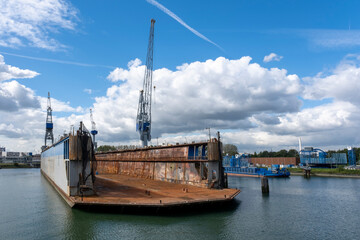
<point>281,153</point>
<point>106,148</point>
<point>231,150</point>
<point>295,153</point>
<point>345,150</point>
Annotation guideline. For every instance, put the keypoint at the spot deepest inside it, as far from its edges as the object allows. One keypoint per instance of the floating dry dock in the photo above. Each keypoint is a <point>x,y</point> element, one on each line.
<point>163,176</point>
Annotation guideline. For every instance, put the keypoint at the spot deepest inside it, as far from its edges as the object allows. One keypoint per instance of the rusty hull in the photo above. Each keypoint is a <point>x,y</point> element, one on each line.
<point>196,164</point>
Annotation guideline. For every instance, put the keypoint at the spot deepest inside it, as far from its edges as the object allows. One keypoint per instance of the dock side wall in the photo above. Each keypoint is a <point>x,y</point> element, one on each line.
<point>184,173</point>
<point>53,165</point>
<point>63,165</point>
<point>188,164</point>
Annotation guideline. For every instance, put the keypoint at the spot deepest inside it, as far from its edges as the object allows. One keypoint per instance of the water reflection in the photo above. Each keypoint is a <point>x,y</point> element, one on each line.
<point>296,208</point>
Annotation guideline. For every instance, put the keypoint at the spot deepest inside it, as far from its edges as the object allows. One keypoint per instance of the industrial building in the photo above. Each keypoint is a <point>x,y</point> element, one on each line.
<point>15,157</point>
<point>318,158</point>
<point>268,161</point>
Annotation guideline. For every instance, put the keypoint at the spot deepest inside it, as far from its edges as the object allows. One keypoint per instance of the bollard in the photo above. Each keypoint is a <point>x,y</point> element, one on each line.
<point>264,184</point>
<point>307,172</point>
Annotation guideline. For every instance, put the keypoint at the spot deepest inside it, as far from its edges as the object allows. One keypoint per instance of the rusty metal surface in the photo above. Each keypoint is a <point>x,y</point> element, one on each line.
<point>185,173</point>
<point>194,164</point>
<point>120,190</point>
<point>213,151</point>
<point>158,154</point>
<point>75,152</point>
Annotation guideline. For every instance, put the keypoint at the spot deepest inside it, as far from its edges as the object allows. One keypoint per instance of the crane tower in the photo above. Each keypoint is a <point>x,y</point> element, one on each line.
<point>143,119</point>
<point>49,124</point>
<point>93,128</point>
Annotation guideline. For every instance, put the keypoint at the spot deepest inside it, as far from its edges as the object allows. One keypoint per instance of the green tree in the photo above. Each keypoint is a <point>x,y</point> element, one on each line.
<point>293,153</point>
<point>125,147</point>
<point>281,153</point>
<point>264,154</point>
<point>230,149</point>
<point>106,148</point>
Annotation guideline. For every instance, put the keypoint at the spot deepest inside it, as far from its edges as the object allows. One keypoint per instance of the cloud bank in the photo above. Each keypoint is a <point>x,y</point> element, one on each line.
<point>220,93</point>
<point>254,107</point>
<point>23,113</point>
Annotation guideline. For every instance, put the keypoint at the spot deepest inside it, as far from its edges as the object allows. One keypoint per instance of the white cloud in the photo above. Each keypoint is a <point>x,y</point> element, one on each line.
<point>59,106</point>
<point>343,83</point>
<point>24,22</point>
<point>257,108</point>
<point>23,113</point>
<point>254,107</point>
<point>8,72</point>
<point>120,74</point>
<point>219,93</point>
<point>88,91</point>
<point>23,117</point>
<point>14,96</point>
<point>272,57</point>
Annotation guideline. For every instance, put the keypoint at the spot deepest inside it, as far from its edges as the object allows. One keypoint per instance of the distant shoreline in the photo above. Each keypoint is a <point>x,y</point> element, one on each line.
<point>326,175</point>
<point>14,165</point>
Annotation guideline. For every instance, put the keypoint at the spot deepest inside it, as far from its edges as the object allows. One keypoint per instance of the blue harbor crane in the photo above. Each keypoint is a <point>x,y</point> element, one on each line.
<point>49,124</point>
<point>93,129</point>
<point>143,119</point>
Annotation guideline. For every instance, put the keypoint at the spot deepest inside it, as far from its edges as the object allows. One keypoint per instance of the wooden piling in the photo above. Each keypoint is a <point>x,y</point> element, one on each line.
<point>307,171</point>
<point>264,184</point>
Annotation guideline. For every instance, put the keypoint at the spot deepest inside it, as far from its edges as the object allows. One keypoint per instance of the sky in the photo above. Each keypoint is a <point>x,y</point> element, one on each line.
<point>263,73</point>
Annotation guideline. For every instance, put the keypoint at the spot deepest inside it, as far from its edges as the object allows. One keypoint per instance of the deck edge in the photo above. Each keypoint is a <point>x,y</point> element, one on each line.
<point>66,198</point>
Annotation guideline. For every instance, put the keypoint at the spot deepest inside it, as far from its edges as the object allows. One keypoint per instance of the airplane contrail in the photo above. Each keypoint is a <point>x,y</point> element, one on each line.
<point>56,60</point>
<point>179,20</point>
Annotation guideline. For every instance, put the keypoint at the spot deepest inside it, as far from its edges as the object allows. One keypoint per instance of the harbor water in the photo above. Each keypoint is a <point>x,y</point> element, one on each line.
<point>296,208</point>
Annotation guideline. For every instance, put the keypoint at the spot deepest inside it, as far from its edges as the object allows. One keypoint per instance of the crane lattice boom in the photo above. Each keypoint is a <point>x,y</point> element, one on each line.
<point>143,119</point>
<point>49,124</point>
<point>93,129</point>
<point>93,125</point>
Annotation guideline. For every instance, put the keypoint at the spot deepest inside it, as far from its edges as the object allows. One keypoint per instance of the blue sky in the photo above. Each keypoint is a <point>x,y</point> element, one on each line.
<point>114,32</point>
<point>311,39</point>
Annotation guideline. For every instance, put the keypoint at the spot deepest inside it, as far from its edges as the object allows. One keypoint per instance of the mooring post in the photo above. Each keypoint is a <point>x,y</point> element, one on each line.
<point>264,184</point>
<point>307,171</point>
<point>222,181</point>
